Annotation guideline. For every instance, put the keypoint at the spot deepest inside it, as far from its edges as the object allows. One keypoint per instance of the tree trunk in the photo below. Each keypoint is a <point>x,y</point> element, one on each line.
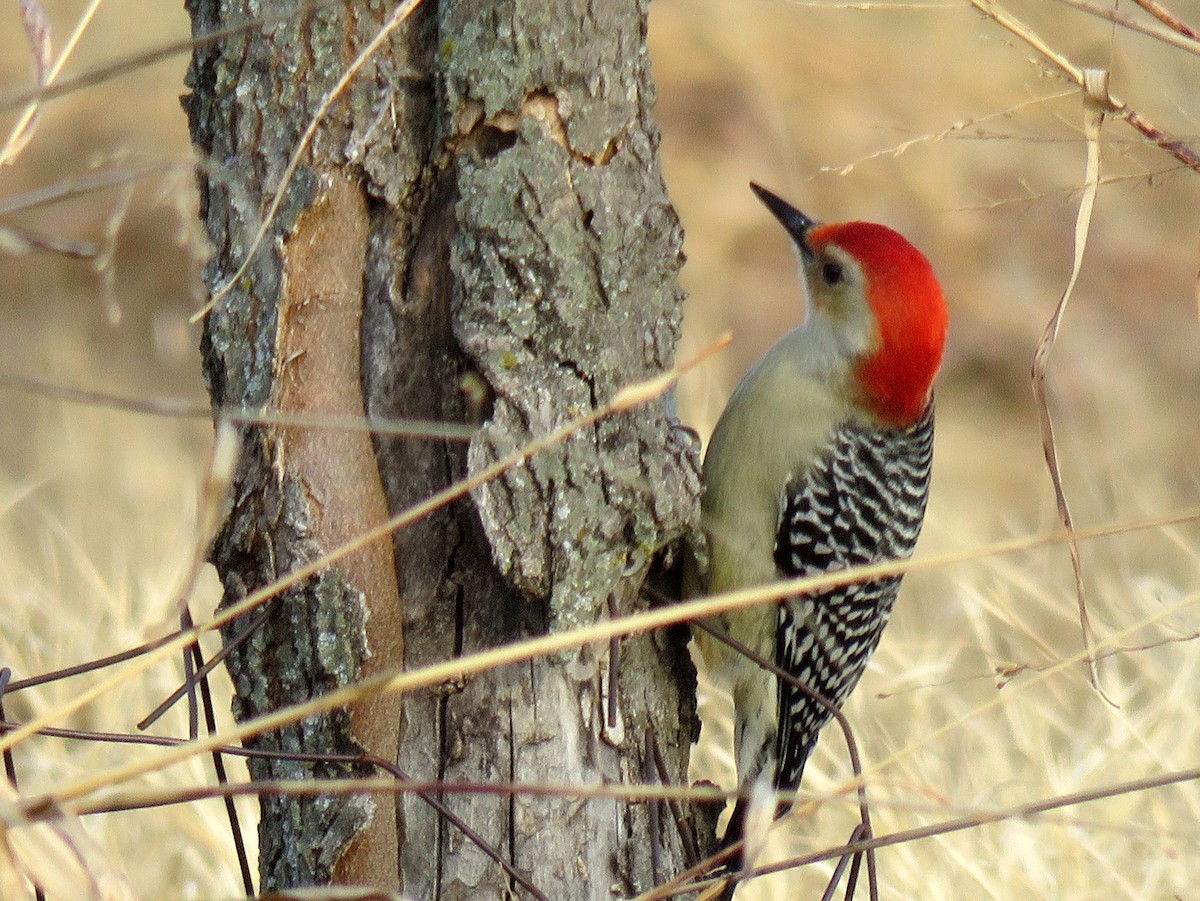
<point>478,232</point>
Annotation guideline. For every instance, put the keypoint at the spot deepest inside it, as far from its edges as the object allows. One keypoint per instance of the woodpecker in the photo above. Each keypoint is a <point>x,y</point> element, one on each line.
<point>819,462</point>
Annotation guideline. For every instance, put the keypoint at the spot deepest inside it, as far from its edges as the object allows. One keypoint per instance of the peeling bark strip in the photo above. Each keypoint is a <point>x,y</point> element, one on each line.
<point>316,362</point>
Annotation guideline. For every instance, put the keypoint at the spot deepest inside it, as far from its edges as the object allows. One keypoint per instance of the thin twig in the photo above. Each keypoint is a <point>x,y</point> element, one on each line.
<point>146,58</point>
<point>93,665</point>
<point>1016,812</point>
<point>1168,18</point>
<point>178,408</point>
<point>1114,106</point>
<point>650,777</point>
<point>10,765</point>
<point>1181,36</point>
<point>18,241</point>
<point>432,799</point>
<point>830,708</point>
<point>167,795</point>
<point>398,783</point>
<point>458,668</point>
<point>614,667</point>
<point>195,662</point>
<point>946,827</point>
<point>83,185</point>
<point>682,823</point>
<point>189,681</point>
<point>933,136</point>
<point>397,18</point>
<point>860,832</point>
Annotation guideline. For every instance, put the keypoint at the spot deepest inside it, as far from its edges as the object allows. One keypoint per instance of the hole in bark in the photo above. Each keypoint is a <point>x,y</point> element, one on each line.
<point>494,141</point>
<point>588,215</point>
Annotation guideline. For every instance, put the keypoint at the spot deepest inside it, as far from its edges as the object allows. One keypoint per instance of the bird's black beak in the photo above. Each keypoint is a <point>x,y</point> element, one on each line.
<point>796,223</point>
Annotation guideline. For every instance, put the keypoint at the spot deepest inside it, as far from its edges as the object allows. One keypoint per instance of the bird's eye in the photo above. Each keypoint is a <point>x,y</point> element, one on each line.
<point>831,271</point>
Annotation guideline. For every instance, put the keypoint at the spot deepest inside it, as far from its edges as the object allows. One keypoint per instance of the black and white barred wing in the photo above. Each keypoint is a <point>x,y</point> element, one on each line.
<point>862,502</point>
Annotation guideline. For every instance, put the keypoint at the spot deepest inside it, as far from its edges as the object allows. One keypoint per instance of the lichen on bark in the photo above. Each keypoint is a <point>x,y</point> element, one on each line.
<point>565,257</point>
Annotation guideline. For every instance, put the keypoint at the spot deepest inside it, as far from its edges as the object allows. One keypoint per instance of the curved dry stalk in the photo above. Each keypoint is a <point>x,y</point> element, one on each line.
<point>1096,81</point>
<point>1098,101</point>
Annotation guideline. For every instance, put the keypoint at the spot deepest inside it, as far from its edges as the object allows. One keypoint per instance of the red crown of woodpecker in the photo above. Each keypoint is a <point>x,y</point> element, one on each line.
<point>910,312</point>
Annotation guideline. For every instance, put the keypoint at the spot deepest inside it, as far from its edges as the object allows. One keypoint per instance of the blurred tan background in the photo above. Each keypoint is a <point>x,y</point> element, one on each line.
<point>929,118</point>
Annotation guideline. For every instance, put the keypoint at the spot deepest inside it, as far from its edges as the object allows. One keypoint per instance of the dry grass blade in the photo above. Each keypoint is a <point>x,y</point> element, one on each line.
<point>56,854</point>
<point>37,27</point>
<point>136,799</point>
<point>1094,106</point>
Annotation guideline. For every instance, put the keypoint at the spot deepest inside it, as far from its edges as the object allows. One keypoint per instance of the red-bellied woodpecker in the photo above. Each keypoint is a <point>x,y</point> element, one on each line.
<point>820,462</point>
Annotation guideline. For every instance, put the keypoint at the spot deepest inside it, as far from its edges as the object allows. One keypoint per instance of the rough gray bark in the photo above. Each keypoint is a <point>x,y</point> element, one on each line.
<point>286,337</point>
<point>518,265</point>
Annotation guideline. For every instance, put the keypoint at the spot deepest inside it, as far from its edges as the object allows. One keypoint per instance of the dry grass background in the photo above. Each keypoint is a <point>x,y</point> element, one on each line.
<point>97,507</point>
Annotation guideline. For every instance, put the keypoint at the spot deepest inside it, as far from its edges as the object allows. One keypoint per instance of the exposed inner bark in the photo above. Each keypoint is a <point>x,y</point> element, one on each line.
<point>317,372</point>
